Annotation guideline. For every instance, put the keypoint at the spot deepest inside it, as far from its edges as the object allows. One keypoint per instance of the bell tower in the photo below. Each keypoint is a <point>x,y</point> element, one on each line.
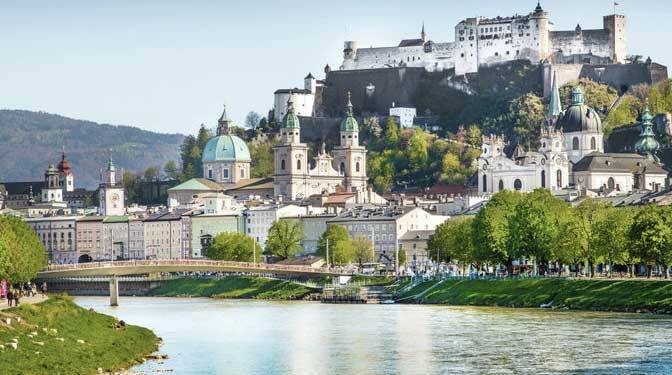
<point>350,157</point>
<point>291,159</point>
<point>111,194</point>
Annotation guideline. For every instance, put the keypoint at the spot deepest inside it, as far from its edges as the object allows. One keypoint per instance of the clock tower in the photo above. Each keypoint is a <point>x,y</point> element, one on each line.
<point>111,193</point>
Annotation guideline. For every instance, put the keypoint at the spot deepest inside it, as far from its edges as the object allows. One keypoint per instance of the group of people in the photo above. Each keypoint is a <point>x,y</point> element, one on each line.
<point>14,293</point>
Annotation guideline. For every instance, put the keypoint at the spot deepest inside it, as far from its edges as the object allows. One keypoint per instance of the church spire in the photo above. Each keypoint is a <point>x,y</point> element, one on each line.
<point>422,33</point>
<point>554,105</point>
<point>647,143</point>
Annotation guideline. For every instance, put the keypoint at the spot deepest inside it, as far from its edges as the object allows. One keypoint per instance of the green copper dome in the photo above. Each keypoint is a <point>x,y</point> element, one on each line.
<point>579,117</point>
<point>291,120</point>
<point>226,147</point>
<point>349,123</point>
<point>647,143</point>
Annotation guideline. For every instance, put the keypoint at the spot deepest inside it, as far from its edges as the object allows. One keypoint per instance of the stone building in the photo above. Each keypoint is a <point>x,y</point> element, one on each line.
<point>163,235</point>
<point>59,236</point>
<point>90,239</point>
<point>483,41</point>
<point>294,178</point>
<point>303,99</point>
<point>136,239</point>
<point>111,193</point>
<point>116,237</point>
<point>226,158</point>
<point>258,220</point>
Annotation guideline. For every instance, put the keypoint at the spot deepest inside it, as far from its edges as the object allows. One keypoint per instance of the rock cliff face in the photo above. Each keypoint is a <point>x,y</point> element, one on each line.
<point>29,141</point>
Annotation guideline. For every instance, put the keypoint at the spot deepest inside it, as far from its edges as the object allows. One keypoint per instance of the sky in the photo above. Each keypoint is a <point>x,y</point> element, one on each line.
<point>168,66</point>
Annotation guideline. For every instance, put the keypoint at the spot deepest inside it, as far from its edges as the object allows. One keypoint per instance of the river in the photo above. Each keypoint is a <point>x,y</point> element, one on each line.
<point>206,336</point>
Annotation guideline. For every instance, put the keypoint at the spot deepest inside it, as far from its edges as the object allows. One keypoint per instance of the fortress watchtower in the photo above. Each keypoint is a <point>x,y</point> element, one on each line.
<point>616,24</point>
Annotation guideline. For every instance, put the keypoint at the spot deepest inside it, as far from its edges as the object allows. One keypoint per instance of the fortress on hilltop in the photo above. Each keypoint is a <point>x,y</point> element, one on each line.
<point>483,41</point>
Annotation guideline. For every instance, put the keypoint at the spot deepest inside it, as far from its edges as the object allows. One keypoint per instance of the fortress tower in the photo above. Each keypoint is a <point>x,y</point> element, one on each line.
<point>616,24</point>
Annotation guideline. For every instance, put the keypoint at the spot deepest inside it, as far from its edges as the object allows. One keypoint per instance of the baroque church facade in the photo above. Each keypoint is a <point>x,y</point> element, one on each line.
<point>345,171</point>
<point>571,156</point>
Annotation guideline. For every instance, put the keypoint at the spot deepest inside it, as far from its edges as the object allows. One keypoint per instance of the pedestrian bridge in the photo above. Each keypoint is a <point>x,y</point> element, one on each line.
<point>141,267</point>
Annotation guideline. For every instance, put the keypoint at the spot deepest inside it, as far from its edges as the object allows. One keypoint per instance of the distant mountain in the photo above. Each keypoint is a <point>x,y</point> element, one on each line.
<point>29,141</point>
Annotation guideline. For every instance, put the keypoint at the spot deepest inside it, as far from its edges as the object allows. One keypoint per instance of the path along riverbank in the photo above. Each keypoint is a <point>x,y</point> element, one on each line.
<point>592,295</point>
<point>58,337</point>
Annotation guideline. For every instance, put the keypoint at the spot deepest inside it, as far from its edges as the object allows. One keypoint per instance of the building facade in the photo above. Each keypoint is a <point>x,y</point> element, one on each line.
<point>258,220</point>
<point>111,193</point>
<point>163,235</point>
<point>484,41</point>
<point>59,237</point>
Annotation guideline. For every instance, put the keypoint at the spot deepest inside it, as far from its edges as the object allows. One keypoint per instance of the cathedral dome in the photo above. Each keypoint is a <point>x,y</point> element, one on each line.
<point>579,117</point>
<point>226,147</point>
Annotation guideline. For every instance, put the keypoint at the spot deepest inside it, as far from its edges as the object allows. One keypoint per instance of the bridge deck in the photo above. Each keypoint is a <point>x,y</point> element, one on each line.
<point>138,267</point>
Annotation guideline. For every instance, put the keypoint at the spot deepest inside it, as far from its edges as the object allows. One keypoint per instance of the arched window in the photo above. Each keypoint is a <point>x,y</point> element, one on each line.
<point>610,183</point>
<point>501,185</point>
<point>518,185</point>
<point>210,174</point>
<point>558,175</point>
<point>298,164</point>
<point>242,172</point>
<point>575,143</point>
<point>485,183</point>
<point>543,179</point>
<point>282,164</point>
<point>357,167</point>
<point>342,168</point>
<point>593,145</point>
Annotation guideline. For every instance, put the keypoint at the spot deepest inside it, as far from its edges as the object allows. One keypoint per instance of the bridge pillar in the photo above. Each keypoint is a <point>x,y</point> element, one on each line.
<point>114,291</point>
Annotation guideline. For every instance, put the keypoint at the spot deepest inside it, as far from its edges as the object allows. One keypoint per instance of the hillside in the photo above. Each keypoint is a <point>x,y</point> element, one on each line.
<point>32,140</point>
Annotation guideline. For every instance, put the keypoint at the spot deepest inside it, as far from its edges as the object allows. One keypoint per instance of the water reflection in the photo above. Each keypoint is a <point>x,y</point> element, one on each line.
<point>203,336</point>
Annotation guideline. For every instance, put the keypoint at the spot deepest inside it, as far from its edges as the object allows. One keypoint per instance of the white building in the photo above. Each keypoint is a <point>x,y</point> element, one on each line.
<point>303,99</point>
<point>258,220</point>
<point>111,193</point>
<point>59,236</point>
<point>345,170</point>
<point>484,41</point>
<point>226,158</point>
<point>405,115</point>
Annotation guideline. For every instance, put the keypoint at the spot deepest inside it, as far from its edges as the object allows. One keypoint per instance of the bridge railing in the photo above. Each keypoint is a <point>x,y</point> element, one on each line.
<point>190,262</point>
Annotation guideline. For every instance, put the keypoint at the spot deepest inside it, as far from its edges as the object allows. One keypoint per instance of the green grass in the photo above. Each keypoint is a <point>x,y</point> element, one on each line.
<point>598,295</point>
<point>233,287</point>
<point>64,322</point>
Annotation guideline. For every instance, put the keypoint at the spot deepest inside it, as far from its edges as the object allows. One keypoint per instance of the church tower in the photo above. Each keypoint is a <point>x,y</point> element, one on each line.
<point>67,179</point>
<point>350,157</point>
<point>110,193</point>
<point>52,192</point>
<point>291,156</point>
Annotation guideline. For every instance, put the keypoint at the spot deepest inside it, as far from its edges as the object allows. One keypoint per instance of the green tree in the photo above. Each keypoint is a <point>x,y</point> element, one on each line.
<point>611,235</point>
<point>493,240</point>
<point>453,241</point>
<point>527,112</point>
<point>363,250</point>
<point>284,238</point>
<point>402,257</point>
<point>22,254</point>
<point>650,235</point>
<point>341,250</point>
<point>391,136</point>
<point>233,246</point>
<point>151,174</point>
<point>262,155</point>
<point>170,169</point>
<point>596,95</point>
<point>252,120</point>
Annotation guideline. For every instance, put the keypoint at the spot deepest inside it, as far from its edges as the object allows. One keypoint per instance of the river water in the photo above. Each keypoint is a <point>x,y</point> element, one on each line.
<point>205,336</point>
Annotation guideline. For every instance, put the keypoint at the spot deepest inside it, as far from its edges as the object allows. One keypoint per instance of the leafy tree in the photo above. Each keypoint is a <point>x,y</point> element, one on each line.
<point>151,174</point>
<point>624,114</point>
<point>252,120</point>
<point>204,135</point>
<point>596,95</point>
<point>572,242</point>
<point>170,169</point>
<point>341,250</point>
<point>22,254</point>
<point>363,250</point>
<point>187,157</point>
<point>611,235</point>
<point>453,241</point>
<point>402,257</point>
<point>233,246</point>
<point>284,238</point>
<point>493,239</point>
<point>391,136</point>
<point>650,235</point>
<point>261,152</point>
<point>527,112</point>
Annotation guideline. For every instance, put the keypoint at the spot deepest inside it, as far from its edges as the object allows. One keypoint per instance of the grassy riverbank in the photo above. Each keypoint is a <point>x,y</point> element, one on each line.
<point>597,295</point>
<point>59,337</point>
<point>233,287</point>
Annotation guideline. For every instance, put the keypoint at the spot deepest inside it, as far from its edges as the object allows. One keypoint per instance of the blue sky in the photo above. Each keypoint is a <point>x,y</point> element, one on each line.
<point>169,65</point>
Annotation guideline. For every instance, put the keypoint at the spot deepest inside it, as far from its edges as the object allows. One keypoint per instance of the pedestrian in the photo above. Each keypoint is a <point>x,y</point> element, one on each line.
<point>44,287</point>
<point>33,289</point>
<point>10,297</point>
<point>17,296</point>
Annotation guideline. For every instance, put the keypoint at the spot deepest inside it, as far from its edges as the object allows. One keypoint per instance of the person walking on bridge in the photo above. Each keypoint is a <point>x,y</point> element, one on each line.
<point>10,297</point>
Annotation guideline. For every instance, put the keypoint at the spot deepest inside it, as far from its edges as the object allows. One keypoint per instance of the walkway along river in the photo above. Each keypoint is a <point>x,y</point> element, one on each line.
<point>207,336</point>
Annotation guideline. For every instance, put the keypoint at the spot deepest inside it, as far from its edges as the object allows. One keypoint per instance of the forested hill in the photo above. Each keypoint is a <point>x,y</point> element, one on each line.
<point>29,141</point>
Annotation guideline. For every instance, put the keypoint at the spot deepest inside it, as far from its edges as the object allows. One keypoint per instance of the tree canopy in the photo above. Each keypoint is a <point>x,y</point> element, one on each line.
<point>341,250</point>
<point>233,246</point>
<point>22,254</point>
<point>284,238</point>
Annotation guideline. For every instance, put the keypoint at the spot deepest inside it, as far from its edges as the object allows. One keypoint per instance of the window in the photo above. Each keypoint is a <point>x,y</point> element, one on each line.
<point>610,183</point>
<point>593,144</point>
<point>342,168</point>
<point>575,143</point>
<point>242,172</point>
<point>357,167</point>
<point>559,177</point>
<point>518,185</point>
<point>298,164</point>
<point>485,183</point>
<point>225,173</point>
<point>501,185</point>
<point>282,164</point>
<point>210,174</point>
<point>543,179</point>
